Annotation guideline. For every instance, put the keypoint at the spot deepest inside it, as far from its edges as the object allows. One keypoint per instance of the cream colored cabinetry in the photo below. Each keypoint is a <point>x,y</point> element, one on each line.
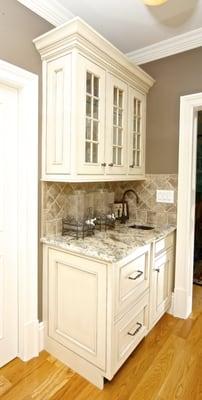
<point>136,129</point>
<point>96,313</point>
<point>77,305</point>
<point>93,107</point>
<point>162,275</point>
<point>116,126</point>
<point>57,121</point>
<point>90,118</point>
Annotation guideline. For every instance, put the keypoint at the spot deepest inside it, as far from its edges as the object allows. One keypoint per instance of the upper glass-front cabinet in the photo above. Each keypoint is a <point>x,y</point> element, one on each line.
<point>92,128</point>
<point>116,126</point>
<point>137,109</point>
<point>91,117</point>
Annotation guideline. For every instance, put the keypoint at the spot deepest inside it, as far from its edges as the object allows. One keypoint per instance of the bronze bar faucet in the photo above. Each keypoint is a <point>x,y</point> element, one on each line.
<point>125,216</point>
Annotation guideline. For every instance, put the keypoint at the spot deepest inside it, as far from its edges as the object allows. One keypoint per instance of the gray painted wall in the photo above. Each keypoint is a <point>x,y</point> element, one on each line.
<point>18,27</point>
<point>175,76</point>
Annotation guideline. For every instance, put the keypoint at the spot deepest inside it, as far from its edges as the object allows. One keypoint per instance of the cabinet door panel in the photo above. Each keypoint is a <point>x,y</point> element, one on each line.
<point>136,129</point>
<point>116,123</point>
<point>91,117</point>
<point>56,146</point>
<point>77,305</point>
<point>161,285</point>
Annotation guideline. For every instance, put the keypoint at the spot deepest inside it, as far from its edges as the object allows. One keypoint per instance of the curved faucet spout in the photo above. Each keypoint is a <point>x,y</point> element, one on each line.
<point>125,216</point>
<point>132,191</point>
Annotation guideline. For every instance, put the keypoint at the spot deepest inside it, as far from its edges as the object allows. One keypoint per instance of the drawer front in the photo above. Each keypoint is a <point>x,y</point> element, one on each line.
<point>130,330</point>
<point>162,244</point>
<point>132,279</point>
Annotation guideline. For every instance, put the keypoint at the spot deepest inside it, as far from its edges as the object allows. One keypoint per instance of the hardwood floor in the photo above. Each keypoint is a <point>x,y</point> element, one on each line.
<point>167,365</point>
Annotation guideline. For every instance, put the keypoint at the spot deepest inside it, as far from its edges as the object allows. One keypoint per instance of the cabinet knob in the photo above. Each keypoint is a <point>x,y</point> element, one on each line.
<point>110,164</point>
<point>131,166</point>
<point>103,164</point>
<point>157,270</point>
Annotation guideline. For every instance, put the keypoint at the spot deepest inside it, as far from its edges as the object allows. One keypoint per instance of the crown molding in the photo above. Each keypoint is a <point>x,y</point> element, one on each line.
<point>165,48</point>
<point>50,10</point>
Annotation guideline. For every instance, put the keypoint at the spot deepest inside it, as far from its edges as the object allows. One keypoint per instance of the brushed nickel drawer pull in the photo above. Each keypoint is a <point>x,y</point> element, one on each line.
<point>137,276</point>
<point>136,330</point>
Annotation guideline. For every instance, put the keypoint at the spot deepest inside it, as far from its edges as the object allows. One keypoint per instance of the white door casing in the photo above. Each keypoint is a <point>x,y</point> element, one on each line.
<point>8,223</point>
<point>189,106</point>
<point>26,84</point>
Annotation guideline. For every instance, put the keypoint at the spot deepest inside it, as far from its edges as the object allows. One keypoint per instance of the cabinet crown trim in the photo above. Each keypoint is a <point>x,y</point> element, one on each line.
<point>76,33</point>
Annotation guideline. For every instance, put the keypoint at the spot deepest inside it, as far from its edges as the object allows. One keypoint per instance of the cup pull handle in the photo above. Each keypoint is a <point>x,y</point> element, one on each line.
<point>136,330</point>
<point>133,278</point>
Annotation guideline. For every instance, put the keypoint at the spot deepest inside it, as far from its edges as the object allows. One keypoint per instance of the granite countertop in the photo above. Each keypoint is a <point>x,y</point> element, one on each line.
<point>112,245</point>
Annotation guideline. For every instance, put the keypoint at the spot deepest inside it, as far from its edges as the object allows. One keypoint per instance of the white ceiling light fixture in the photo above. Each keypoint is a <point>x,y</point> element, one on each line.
<point>154,2</point>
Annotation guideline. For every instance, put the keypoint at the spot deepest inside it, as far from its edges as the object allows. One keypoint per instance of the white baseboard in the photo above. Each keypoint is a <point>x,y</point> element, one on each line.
<point>41,336</point>
<point>30,346</point>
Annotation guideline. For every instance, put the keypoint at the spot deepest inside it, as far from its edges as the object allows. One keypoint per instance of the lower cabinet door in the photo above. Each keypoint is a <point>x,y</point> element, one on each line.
<point>77,305</point>
<point>161,285</point>
<point>130,330</point>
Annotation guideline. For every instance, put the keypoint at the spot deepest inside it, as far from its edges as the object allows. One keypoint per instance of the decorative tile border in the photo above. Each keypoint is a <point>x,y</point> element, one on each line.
<point>148,210</point>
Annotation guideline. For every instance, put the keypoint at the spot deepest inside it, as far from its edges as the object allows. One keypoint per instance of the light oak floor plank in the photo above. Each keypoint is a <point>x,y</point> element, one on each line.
<point>167,365</point>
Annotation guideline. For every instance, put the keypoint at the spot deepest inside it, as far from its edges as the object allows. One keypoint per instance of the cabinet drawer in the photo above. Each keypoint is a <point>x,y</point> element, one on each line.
<point>163,244</point>
<point>132,279</point>
<point>130,330</point>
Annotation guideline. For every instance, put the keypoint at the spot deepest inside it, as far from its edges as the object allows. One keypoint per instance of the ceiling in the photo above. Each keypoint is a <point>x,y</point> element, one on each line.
<point>129,24</point>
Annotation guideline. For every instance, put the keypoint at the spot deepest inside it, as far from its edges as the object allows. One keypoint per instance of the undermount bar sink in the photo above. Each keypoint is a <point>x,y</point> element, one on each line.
<point>144,227</point>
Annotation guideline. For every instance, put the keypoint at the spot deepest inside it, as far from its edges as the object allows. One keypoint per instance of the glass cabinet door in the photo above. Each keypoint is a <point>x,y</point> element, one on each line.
<point>91,118</point>
<point>92,122</point>
<point>136,125</point>
<point>116,126</point>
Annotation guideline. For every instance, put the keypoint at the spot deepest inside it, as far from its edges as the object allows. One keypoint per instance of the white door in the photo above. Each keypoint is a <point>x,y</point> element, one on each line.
<point>8,223</point>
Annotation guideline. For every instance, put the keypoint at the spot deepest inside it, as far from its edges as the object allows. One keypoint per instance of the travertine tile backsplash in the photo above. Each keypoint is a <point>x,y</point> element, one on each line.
<point>147,211</point>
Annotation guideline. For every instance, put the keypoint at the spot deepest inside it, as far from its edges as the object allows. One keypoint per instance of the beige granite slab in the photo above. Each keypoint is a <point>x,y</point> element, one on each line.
<point>112,245</point>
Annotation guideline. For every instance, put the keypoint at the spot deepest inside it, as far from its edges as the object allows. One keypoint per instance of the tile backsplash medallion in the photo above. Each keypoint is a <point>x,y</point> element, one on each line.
<point>54,198</point>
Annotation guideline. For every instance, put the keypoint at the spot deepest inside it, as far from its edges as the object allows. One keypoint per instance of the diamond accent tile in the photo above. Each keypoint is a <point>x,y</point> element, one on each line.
<point>54,200</point>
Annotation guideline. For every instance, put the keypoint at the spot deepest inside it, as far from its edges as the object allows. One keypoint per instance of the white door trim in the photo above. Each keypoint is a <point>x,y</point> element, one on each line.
<point>189,105</point>
<point>27,85</point>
